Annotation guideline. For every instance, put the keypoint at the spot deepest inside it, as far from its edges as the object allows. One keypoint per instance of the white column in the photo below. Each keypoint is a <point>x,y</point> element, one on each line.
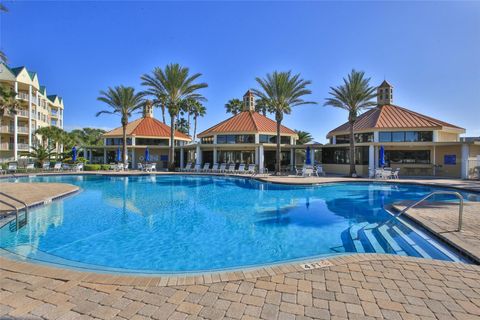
<point>15,138</point>
<point>260,159</point>
<point>257,138</point>
<point>371,160</point>
<point>29,117</point>
<point>334,140</point>
<point>375,136</point>
<point>464,165</point>
<point>182,160</point>
<point>435,136</point>
<point>198,159</point>
<point>215,156</point>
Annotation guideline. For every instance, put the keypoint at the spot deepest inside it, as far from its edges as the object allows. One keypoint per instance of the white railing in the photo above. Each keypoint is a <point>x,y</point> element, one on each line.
<point>23,95</point>
<point>22,113</point>
<point>22,129</point>
<point>23,146</point>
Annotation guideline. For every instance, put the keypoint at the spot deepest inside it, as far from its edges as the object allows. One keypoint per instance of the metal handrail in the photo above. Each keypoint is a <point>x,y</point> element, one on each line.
<point>460,208</point>
<point>16,209</point>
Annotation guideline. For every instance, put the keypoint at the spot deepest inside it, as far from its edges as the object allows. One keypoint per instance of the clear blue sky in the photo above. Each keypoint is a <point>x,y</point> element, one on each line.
<point>429,51</point>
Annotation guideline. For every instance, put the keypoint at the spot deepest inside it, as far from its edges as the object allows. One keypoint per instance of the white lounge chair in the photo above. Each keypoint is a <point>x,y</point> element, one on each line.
<point>197,167</point>
<point>78,167</point>
<point>187,167</point>
<point>395,173</point>
<point>30,167</point>
<point>318,170</point>
<point>231,168</point>
<point>298,171</point>
<point>57,166</point>
<point>206,167</point>
<point>214,168</point>
<point>151,167</point>
<point>251,169</point>
<point>12,167</point>
<point>140,166</point>
<point>46,166</point>
<point>223,168</point>
<point>241,168</point>
<point>118,167</point>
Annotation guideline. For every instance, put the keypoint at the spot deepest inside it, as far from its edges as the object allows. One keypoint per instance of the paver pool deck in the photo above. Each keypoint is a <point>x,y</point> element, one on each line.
<point>358,286</point>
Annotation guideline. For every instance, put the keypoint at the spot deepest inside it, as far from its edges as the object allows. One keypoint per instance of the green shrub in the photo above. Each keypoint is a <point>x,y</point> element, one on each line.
<point>105,167</point>
<point>92,167</point>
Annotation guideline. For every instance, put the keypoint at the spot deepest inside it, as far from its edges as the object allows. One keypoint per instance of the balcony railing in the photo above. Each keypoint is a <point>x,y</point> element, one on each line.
<point>6,129</point>
<point>23,95</point>
<point>22,129</point>
<point>22,146</point>
<point>6,146</point>
<point>22,113</point>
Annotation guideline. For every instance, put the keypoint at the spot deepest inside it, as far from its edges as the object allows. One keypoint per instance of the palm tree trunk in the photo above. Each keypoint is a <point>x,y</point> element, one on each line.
<point>124,142</point>
<point>278,153</point>
<point>194,127</point>
<point>172,143</point>
<point>188,120</point>
<point>163,114</point>
<point>352,151</point>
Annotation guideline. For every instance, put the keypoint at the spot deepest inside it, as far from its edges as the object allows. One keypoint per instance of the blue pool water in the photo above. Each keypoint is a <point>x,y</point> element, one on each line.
<point>195,223</point>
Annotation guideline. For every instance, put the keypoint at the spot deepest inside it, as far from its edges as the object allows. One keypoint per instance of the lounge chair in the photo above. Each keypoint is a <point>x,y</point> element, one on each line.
<point>118,167</point>
<point>223,168</point>
<point>206,167</point>
<point>187,167</point>
<point>140,166</point>
<point>78,167</point>
<point>46,166</point>
<point>30,167</point>
<point>66,167</point>
<point>395,173</point>
<point>298,172</point>
<point>231,168</point>
<point>151,167</point>
<point>318,170</point>
<point>214,168</point>
<point>197,167</point>
<point>251,169</point>
<point>57,166</point>
<point>12,167</point>
<point>241,168</point>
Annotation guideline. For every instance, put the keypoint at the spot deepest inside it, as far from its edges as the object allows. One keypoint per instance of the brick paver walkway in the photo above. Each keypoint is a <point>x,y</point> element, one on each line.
<point>358,287</point>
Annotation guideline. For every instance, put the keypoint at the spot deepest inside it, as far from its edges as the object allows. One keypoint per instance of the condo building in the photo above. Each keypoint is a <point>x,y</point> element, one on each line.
<point>39,109</point>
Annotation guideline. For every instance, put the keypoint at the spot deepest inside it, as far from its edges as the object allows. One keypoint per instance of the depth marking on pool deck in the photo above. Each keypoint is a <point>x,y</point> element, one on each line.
<point>316,265</point>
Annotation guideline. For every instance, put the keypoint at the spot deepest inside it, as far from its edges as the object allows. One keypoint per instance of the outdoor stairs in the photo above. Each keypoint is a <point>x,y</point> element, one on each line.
<point>393,237</point>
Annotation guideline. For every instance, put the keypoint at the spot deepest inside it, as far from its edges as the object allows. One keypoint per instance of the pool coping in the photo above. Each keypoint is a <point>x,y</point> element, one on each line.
<point>205,277</point>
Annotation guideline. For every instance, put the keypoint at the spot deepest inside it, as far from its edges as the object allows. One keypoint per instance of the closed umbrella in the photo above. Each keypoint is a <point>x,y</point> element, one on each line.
<point>119,155</point>
<point>381,157</point>
<point>74,154</point>
<point>308,159</point>
<point>147,155</point>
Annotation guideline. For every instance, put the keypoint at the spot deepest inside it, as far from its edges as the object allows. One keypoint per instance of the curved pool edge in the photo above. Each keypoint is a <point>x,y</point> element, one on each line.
<point>165,280</point>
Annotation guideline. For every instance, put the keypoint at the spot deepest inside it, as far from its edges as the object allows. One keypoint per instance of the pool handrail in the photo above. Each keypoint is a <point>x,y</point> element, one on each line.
<point>457,194</point>
<point>15,207</point>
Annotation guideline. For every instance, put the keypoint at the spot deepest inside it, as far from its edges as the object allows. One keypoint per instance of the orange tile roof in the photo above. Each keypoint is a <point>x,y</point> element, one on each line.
<point>147,127</point>
<point>246,122</point>
<point>392,117</point>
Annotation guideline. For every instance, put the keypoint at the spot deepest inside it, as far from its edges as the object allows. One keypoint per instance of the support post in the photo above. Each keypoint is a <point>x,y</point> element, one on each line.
<point>260,159</point>
<point>371,161</point>
<point>464,164</point>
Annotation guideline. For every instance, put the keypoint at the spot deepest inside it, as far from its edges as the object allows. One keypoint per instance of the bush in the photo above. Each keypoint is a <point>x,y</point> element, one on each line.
<point>92,167</point>
<point>105,167</point>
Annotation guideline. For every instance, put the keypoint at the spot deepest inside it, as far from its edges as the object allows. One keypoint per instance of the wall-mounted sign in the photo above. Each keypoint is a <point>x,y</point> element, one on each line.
<point>450,159</point>
<point>163,158</point>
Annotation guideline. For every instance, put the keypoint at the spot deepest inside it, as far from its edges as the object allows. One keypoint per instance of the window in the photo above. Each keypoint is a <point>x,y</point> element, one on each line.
<point>405,136</point>
<point>117,141</point>
<point>385,136</point>
<point>398,136</point>
<point>407,156</point>
<point>232,139</point>
<point>359,138</point>
<point>151,142</point>
<point>342,155</point>
<point>207,140</point>
<point>265,138</point>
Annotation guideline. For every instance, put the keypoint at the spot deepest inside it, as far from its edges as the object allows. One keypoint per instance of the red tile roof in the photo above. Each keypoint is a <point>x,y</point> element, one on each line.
<point>147,127</point>
<point>246,122</point>
<point>392,117</point>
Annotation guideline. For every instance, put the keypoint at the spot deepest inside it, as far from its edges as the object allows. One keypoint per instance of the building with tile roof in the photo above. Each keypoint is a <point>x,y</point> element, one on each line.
<point>17,131</point>
<point>417,144</point>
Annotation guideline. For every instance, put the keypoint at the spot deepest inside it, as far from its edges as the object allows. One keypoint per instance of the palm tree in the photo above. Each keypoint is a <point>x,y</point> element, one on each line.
<point>182,125</point>
<point>177,85</point>
<point>355,95</point>
<point>234,106</point>
<point>51,135</point>
<point>304,137</point>
<point>41,153</point>
<point>123,101</point>
<point>261,106</point>
<point>8,100</point>
<point>155,90</point>
<point>198,110</point>
<point>281,91</point>
<point>3,56</point>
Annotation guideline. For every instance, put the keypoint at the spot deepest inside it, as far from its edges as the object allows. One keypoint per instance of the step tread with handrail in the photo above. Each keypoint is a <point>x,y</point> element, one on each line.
<point>15,207</point>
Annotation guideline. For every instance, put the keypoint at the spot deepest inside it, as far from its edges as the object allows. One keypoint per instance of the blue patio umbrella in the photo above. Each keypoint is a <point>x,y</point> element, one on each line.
<point>119,155</point>
<point>308,159</point>
<point>147,155</point>
<point>381,157</point>
<point>74,154</point>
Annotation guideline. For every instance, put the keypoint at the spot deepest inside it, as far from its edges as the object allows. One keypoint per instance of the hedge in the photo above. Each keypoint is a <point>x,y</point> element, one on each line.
<point>92,167</point>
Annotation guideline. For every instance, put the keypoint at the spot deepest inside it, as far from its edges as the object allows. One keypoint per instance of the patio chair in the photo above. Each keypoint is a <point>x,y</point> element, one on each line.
<point>214,168</point>
<point>197,167</point>
<point>57,166</point>
<point>140,166</point>
<point>395,173</point>
<point>12,167</point>
<point>151,167</point>
<point>298,171</point>
<point>78,167</point>
<point>231,168</point>
<point>223,167</point>
<point>241,168</point>
<point>66,167</point>
<point>30,167</point>
<point>46,166</point>
<point>206,167</point>
<point>118,167</point>
<point>307,172</point>
<point>187,167</point>
<point>318,170</point>
<point>251,169</point>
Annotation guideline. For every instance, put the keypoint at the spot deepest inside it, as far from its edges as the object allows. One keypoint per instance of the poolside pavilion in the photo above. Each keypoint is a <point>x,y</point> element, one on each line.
<point>141,133</point>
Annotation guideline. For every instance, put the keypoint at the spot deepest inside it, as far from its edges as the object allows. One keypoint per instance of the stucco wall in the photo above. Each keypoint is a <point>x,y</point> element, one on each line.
<point>447,136</point>
<point>344,169</point>
<point>448,170</point>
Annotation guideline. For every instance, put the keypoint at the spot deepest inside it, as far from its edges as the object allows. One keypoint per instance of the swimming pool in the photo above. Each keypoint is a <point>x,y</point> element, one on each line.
<point>181,223</point>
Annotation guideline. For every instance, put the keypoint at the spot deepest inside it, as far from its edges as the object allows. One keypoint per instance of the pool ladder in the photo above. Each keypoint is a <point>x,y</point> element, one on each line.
<point>19,223</point>
<point>457,194</point>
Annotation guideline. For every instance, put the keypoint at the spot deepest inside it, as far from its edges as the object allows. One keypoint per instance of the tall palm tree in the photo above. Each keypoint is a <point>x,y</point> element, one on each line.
<point>354,95</point>
<point>198,110</point>
<point>155,90</point>
<point>182,125</point>
<point>261,106</point>
<point>304,137</point>
<point>123,101</point>
<point>281,91</point>
<point>234,106</point>
<point>51,136</point>
<point>176,83</point>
